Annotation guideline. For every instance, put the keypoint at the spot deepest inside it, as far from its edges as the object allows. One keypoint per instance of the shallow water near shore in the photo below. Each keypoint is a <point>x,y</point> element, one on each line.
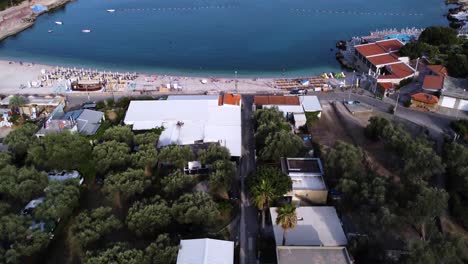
<point>212,38</point>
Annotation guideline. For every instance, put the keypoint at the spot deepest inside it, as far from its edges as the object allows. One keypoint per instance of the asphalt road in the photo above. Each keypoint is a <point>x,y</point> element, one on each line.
<point>433,121</point>
<point>249,223</point>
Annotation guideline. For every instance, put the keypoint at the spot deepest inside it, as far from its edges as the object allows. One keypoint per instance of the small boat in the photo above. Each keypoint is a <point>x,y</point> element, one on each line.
<point>110,10</point>
<point>59,22</point>
<point>50,31</point>
<point>86,30</point>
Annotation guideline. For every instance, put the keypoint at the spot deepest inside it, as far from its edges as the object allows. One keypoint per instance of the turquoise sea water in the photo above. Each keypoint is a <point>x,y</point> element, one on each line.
<point>212,37</point>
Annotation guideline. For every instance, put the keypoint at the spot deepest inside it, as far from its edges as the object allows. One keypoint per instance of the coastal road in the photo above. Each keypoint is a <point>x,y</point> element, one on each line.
<point>249,223</point>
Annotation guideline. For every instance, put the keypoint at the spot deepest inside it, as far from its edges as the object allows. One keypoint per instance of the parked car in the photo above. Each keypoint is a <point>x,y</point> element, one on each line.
<point>65,175</point>
<point>29,208</point>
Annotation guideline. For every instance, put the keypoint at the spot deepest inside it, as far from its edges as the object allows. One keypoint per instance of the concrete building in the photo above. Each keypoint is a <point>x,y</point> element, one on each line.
<point>454,94</point>
<point>293,107</point>
<point>189,120</point>
<point>205,251</point>
<point>308,186</point>
<point>316,226</point>
<point>317,238</point>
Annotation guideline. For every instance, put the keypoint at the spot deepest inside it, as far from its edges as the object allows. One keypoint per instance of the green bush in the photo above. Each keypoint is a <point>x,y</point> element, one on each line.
<point>459,209</point>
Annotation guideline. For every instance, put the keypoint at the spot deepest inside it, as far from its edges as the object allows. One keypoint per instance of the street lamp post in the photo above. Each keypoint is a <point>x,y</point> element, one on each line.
<point>396,103</point>
<point>235,81</point>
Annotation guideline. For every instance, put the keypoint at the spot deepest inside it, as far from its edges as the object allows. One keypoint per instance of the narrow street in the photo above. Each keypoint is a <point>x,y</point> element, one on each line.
<point>249,224</point>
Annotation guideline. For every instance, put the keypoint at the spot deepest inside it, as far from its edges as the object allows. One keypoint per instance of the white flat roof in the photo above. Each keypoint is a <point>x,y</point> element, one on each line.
<point>205,251</point>
<point>287,108</point>
<point>320,226</point>
<point>310,103</point>
<point>187,119</point>
<point>308,183</point>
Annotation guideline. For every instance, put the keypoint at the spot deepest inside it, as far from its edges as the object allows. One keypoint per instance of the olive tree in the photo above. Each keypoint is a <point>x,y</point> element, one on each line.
<point>126,184</point>
<point>90,226</point>
<point>195,208</point>
<point>111,155</point>
<point>148,216</point>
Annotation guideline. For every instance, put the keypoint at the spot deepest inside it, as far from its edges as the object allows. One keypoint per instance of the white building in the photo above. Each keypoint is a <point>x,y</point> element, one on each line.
<point>316,226</point>
<point>205,251</point>
<point>190,120</point>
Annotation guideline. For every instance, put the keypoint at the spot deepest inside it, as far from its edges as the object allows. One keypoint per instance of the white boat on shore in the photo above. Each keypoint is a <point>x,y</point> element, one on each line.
<point>110,10</point>
<point>59,22</point>
<point>86,30</point>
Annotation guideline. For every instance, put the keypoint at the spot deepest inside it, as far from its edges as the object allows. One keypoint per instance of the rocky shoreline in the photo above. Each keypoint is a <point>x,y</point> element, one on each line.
<point>458,16</point>
<point>22,20</point>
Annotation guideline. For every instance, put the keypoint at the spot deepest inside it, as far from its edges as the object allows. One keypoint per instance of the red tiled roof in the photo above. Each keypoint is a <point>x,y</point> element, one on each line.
<point>386,85</point>
<point>400,70</point>
<point>383,59</point>
<point>391,45</point>
<point>380,47</point>
<point>433,82</point>
<point>229,99</point>
<point>369,50</point>
<point>276,100</point>
<point>425,98</point>
<point>438,69</point>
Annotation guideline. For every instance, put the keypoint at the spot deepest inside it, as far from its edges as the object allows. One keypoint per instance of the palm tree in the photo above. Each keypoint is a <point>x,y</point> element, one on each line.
<point>287,218</point>
<point>263,194</point>
<point>16,102</point>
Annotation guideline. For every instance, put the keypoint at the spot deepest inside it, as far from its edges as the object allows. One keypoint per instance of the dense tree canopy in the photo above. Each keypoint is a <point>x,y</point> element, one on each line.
<point>126,184</point>
<point>195,208</point>
<point>213,153</point>
<point>222,175</point>
<point>90,226</point>
<point>150,138</point>
<point>148,216</point>
<point>21,184</point>
<point>176,181</point>
<point>162,251</point>
<point>17,240</point>
<point>344,160</point>
<point>428,204</point>
<point>176,155</point>
<point>440,249</point>
<point>20,139</point>
<point>64,151</point>
<point>117,254</point>
<point>111,155</point>
<point>121,134</point>
<point>146,158</point>
<point>61,198</point>
<point>267,122</point>
<point>439,36</point>
<point>281,144</point>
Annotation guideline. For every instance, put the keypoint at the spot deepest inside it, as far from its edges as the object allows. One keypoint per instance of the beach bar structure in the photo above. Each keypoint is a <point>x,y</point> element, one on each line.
<point>308,185</point>
<point>317,238</point>
<point>191,120</point>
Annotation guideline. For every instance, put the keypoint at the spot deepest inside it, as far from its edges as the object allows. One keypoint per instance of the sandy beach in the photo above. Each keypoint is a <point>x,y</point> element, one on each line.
<point>15,76</point>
